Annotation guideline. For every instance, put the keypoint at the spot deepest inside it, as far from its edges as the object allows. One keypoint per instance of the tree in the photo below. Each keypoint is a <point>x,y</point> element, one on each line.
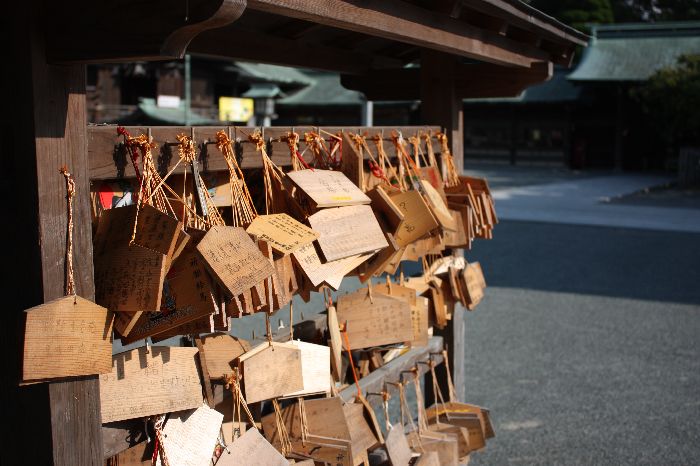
<point>577,13</point>
<point>671,99</point>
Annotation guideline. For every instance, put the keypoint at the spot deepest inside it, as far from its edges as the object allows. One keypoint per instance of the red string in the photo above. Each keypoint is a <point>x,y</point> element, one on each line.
<point>352,363</point>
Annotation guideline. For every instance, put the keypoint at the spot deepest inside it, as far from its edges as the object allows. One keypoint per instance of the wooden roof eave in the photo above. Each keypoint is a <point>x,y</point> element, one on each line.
<point>156,29</point>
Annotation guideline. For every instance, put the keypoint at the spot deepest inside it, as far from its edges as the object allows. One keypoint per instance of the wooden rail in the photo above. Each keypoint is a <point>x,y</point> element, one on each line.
<point>109,160</point>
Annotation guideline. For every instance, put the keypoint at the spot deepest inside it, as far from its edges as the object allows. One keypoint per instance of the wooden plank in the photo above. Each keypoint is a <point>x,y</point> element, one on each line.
<point>315,369</point>
<point>327,188</point>
<point>220,351</point>
<point>375,382</point>
<point>282,51</point>
<point>397,446</point>
<point>477,80</point>
<point>46,130</point>
<point>149,381</point>
<point>284,233</point>
<point>407,23</point>
<point>108,158</point>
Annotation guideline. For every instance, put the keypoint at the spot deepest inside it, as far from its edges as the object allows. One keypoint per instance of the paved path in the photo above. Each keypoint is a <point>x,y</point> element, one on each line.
<point>586,202</point>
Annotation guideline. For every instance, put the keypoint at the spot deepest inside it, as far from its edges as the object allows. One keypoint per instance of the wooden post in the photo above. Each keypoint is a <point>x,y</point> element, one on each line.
<point>441,105</point>
<point>43,129</point>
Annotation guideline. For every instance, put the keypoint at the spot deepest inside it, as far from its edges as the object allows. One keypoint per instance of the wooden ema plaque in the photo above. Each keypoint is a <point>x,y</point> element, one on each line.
<point>331,273</point>
<point>329,436</point>
<point>145,383</point>
<point>189,437</point>
<point>284,234</point>
<point>382,321</point>
<point>397,446</point>
<point>271,371</point>
<point>457,238</point>
<point>444,444</point>
<point>128,278</point>
<point>382,260</point>
<point>429,458</point>
<point>461,435</point>
<point>335,343</point>
<point>388,214</point>
<point>419,309</point>
<point>233,259</point>
<point>327,188</point>
<point>315,369</point>
<point>66,337</point>
<point>418,219</point>
<point>155,230</point>
<point>467,416</point>
<point>187,296</point>
<point>251,449</point>
<point>438,207</point>
<point>347,231</point>
<point>473,280</point>
<point>220,351</point>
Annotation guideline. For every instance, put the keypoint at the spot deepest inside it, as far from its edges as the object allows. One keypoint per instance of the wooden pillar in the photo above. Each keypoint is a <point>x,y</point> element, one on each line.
<point>44,128</point>
<point>442,105</point>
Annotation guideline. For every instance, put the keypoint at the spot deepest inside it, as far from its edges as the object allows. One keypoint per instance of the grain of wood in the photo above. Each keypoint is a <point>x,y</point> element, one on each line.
<point>347,231</point>
<point>327,188</point>
<point>397,446</point>
<point>66,337</point>
<point>382,320</point>
<point>271,371</point>
<point>284,234</point>
<point>220,351</point>
<point>315,369</point>
<point>146,382</point>
<point>251,449</point>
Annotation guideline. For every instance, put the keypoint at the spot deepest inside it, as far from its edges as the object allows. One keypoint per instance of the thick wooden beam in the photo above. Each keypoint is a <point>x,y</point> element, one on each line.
<point>471,81</point>
<point>243,43</point>
<point>108,159</point>
<point>522,15</point>
<point>86,31</point>
<point>403,22</point>
<point>441,104</point>
<point>52,423</point>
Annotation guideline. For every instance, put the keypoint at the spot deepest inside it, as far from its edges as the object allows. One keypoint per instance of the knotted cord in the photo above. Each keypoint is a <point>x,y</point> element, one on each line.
<point>452,178</point>
<point>242,204</point>
<point>70,189</point>
<point>285,443</point>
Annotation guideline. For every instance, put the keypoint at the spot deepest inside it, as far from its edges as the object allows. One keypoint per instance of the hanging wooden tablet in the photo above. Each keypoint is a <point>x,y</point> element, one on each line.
<point>347,231</point>
<point>189,437</point>
<point>438,206</point>
<point>331,272</point>
<point>128,278</point>
<point>233,259</point>
<point>155,230</point>
<point>421,322</point>
<point>69,336</point>
<point>430,458</point>
<point>463,416</point>
<point>437,305</point>
<point>284,234</point>
<point>66,337</point>
<point>397,446</point>
<point>335,344</point>
<point>326,188</point>
<point>326,433</point>
<point>382,260</point>
<point>220,351</point>
<point>444,444</point>
<point>187,296</point>
<point>389,215</point>
<point>473,279</point>
<point>149,381</point>
<point>287,276</point>
<point>251,449</point>
<point>271,370</point>
<point>461,434</point>
<point>418,218</point>
<point>375,321</point>
<point>361,434</point>
<point>195,327</point>
<point>457,238</point>
<point>315,369</point>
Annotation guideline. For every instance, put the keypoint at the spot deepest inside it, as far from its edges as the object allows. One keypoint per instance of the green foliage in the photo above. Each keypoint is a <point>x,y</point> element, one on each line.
<point>577,13</point>
<point>671,99</point>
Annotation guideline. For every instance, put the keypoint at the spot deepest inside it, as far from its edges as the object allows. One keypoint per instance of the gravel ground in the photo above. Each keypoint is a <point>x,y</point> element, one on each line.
<point>587,345</point>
